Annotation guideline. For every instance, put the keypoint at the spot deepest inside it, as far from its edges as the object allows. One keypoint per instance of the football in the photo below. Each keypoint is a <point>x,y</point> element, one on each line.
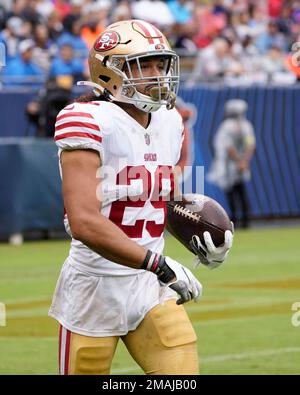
<point>194,215</point>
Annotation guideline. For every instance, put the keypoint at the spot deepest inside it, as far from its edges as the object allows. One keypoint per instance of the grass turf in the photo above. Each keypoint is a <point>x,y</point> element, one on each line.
<point>243,321</point>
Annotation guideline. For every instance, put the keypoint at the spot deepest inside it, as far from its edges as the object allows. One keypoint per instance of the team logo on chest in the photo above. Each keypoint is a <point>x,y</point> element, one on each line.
<point>147,138</point>
<point>149,157</point>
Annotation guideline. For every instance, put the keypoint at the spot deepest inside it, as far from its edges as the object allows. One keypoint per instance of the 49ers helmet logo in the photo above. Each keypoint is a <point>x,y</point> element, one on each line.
<point>107,41</point>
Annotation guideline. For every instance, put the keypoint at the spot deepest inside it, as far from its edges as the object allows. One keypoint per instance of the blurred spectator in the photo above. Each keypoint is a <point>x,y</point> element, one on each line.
<point>153,11</point>
<point>30,13</point>
<point>76,7</point>
<point>42,111</point>
<point>45,8</point>
<point>67,64</point>
<point>273,63</point>
<point>91,31</point>
<point>243,28</point>
<point>2,17</point>
<point>11,36</point>
<point>16,8</point>
<point>121,12</point>
<point>215,62</point>
<point>258,21</point>
<point>182,38</point>
<point>239,6</point>
<point>23,70</point>
<point>54,25</point>
<point>275,8</point>
<point>246,52</point>
<point>62,8</point>
<point>180,11</point>
<point>295,17</point>
<point>44,48</point>
<point>184,28</point>
<point>284,21</point>
<point>94,21</point>
<point>209,25</point>
<point>72,36</point>
<point>271,38</point>
<point>234,146</point>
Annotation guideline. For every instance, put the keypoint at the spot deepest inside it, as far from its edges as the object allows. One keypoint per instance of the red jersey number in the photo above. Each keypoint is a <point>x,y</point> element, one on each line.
<point>157,199</point>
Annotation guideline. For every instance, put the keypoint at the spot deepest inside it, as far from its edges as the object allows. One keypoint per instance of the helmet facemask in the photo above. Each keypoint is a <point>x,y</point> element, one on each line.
<point>162,89</point>
<point>149,93</point>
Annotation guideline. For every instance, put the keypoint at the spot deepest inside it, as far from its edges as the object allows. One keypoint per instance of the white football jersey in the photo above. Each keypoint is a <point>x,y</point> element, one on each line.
<point>136,174</point>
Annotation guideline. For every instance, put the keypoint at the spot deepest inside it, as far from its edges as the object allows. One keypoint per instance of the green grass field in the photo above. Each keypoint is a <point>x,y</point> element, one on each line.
<point>243,321</point>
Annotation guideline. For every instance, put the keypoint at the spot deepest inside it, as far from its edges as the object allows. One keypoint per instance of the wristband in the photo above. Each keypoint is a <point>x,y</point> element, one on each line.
<point>156,264</point>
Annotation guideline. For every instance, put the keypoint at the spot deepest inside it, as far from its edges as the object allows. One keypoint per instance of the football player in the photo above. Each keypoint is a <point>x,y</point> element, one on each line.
<point>115,282</point>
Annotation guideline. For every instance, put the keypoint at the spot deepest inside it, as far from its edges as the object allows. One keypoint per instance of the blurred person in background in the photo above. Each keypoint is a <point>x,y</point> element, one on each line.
<point>45,8</point>
<point>272,37</point>
<point>154,11</point>
<point>66,63</point>
<point>183,29</point>
<point>273,65</point>
<point>94,21</point>
<point>44,49</point>
<point>295,18</point>
<point>211,62</point>
<point>2,17</point>
<point>284,21</point>
<point>234,146</point>
<point>72,36</point>
<point>215,62</point>
<point>11,36</point>
<point>30,13</point>
<point>76,6</point>
<point>121,12</point>
<point>258,19</point>
<point>91,30</point>
<point>247,54</point>
<point>208,24</point>
<point>22,70</point>
<point>181,11</point>
<point>42,111</point>
<point>62,8</point>
<point>54,26</point>
<point>16,8</point>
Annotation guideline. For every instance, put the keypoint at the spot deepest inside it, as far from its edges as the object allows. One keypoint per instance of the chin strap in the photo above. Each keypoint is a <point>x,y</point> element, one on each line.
<point>96,87</point>
<point>172,101</point>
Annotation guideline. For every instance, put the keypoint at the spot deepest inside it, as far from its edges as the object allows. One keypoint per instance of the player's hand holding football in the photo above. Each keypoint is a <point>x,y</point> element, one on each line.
<point>174,275</point>
<point>208,254</point>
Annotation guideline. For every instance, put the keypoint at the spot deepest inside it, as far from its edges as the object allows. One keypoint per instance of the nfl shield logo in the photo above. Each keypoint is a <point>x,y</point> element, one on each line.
<point>147,139</point>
